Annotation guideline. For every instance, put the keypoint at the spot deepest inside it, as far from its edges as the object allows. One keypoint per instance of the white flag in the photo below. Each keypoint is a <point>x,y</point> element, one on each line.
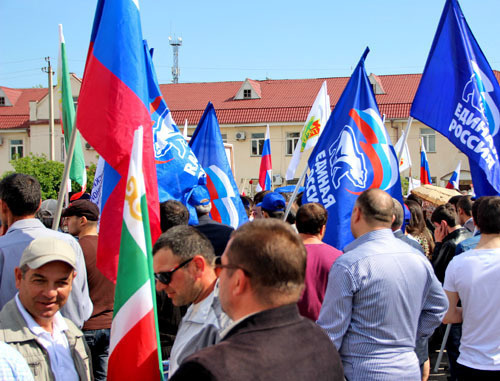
<point>404,160</point>
<point>185,133</point>
<point>315,122</point>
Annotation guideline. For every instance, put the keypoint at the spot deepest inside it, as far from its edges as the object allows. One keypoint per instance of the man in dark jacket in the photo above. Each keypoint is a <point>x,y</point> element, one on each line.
<point>261,278</point>
<point>448,235</point>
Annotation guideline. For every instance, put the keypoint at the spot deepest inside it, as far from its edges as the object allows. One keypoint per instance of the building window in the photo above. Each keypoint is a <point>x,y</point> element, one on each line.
<point>16,149</point>
<point>292,138</point>
<point>257,144</point>
<point>247,93</point>
<point>428,135</point>
<point>224,138</point>
<point>2,101</point>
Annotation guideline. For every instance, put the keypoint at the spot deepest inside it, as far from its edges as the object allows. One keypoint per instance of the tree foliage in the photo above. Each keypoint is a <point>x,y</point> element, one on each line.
<point>48,173</point>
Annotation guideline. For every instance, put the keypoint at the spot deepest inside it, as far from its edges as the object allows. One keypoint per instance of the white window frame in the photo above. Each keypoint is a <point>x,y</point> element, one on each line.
<point>291,141</point>
<point>14,144</point>
<point>428,136</point>
<point>257,144</point>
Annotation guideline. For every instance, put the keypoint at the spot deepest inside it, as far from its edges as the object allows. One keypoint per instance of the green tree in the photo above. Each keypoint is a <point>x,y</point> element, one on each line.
<point>47,172</point>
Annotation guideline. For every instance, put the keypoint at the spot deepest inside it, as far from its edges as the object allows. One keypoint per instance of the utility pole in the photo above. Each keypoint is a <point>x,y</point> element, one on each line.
<point>175,42</point>
<point>49,71</point>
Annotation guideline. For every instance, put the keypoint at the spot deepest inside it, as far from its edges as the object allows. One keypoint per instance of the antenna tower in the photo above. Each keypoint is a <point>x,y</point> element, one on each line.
<point>176,43</point>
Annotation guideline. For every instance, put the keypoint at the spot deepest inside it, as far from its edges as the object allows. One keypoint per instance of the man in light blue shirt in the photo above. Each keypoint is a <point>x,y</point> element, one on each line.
<point>382,295</point>
<point>20,198</point>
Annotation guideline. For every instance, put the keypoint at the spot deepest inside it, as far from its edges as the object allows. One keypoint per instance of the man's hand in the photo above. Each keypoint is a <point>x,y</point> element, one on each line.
<point>441,231</point>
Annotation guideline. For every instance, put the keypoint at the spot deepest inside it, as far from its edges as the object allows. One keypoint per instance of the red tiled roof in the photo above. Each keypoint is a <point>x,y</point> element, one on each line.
<point>17,115</point>
<point>282,100</point>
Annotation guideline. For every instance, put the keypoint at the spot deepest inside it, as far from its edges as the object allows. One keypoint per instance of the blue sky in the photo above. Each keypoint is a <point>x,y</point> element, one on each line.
<point>232,40</point>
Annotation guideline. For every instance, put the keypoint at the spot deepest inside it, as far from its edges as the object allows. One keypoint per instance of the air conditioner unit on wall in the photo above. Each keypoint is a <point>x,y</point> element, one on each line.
<point>241,135</point>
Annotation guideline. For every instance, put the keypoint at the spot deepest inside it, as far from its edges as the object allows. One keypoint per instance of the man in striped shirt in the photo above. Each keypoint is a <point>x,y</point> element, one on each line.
<point>381,296</point>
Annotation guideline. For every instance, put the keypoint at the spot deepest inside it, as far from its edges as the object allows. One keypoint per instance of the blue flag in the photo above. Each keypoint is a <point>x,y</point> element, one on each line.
<point>459,96</point>
<point>208,147</point>
<point>354,153</point>
<point>177,168</point>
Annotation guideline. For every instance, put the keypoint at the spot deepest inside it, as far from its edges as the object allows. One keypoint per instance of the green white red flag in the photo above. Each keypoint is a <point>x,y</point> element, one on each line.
<point>316,120</point>
<point>77,171</point>
<point>134,345</point>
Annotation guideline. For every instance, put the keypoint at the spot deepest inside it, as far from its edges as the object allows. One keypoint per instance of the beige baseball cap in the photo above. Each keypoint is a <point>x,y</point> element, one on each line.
<point>47,249</point>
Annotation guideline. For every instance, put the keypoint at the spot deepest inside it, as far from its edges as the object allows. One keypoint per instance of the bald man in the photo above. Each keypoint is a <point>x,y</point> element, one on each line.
<point>381,296</point>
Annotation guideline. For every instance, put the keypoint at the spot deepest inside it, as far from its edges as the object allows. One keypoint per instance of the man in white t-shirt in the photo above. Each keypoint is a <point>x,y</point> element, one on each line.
<point>473,278</point>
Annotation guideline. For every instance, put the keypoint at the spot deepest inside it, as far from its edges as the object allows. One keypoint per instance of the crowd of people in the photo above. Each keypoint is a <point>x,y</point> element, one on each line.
<point>269,300</point>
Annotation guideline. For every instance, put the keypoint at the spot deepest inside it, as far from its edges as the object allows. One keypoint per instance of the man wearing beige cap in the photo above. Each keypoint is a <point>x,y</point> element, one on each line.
<point>31,322</point>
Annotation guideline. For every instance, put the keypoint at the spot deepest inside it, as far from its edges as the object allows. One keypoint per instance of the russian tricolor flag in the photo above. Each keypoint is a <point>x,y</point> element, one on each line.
<point>266,166</point>
<point>425,176</point>
<point>453,183</point>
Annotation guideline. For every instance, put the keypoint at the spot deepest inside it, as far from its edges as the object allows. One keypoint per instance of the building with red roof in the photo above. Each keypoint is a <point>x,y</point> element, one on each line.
<point>243,108</point>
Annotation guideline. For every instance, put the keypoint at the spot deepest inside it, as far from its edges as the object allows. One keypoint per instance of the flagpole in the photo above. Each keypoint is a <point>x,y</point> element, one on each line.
<point>405,137</point>
<point>65,177</point>
<point>294,194</point>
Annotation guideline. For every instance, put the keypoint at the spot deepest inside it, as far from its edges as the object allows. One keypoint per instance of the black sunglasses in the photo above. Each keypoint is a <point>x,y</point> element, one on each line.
<point>165,277</point>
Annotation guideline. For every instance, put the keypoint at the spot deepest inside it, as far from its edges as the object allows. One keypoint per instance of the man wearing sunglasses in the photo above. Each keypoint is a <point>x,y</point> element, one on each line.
<point>262,275</point>
<point>183,261</point>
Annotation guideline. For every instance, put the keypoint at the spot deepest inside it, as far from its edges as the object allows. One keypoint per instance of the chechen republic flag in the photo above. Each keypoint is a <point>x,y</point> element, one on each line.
<point>133,349</point>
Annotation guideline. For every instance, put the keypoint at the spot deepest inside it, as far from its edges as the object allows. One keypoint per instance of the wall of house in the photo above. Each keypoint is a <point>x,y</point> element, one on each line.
<point>6,137</point>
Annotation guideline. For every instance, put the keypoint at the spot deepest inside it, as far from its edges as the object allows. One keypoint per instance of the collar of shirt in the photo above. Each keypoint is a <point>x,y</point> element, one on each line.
<point>58,325</point>
<point>198,313</point>
<point>25,223</point>
<point>370,236</point>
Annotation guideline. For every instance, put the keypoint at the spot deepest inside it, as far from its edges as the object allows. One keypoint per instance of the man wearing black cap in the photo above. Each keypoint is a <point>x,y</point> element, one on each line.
<point>81,218</point>
<point>31,322</point>
<point>218,234</point>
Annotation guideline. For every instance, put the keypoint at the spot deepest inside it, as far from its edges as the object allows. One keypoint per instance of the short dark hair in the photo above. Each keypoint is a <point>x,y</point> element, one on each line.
<point>311,218</point>
<point>454,200</point>
<point>415,198</point>
<point>465,203</point>
<point>376,206</point>
<point>274,256</point>
<point>398,213</point>
<point>475,207</point>
<point>278,214</point>
<point>21,193</point>
<point>173,213</point>
<point>446,213</point>
<point>185,242</point>
<point>489,215</point>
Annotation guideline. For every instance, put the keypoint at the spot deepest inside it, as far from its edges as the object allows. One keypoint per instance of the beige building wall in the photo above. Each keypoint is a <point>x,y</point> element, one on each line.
<point>9,138</point>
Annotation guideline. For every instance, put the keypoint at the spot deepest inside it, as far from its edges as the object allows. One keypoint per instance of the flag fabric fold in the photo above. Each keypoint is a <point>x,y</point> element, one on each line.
<point>266,165</point>
<point>207,145</point>
<point>177,168</point>
<point>113,103</point>
<point>313,127</point>
<point>77,172</point>
<point>459,96</point>
<point>134,346</point>
<point>354,153</point>
<point>454,181</point>
<point>425,175</point>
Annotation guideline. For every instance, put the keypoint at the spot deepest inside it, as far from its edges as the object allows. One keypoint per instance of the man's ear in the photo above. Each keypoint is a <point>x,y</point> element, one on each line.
<point>241,282</point>
<point>18,274</point>
<point>199,265</point>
